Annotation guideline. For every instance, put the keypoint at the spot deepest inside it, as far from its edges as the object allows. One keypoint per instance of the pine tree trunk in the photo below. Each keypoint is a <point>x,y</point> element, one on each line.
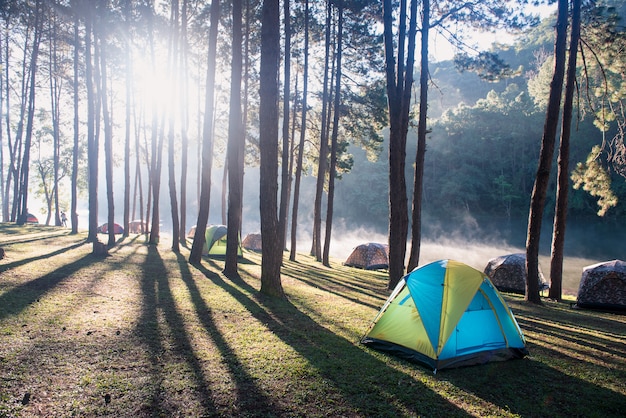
<point>75,151</point>
<point>92,141</point>
<point>316,245</point>
<point>224,204</point>
<point>139,185</point>
<point>418,187</point>
<point>334,140</point>
<point>108,136</point>
<point>55,99</point>
<point>298,168</point>
<point>207,140</point>
<point>285,175</point>
<point>560,212</point>
<point>3,200</point>
<point>236,142</point>
<point>272,251</point>
<point>5,184</point>
<point>127,122</point>
<point>184,118</point>
<point>170,135</point>
<point>542,177</point>
<point>24,173</point>
<point>399,83</point>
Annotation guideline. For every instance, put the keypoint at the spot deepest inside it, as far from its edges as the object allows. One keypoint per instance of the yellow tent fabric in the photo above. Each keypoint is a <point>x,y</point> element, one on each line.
<point>446,314</point>
<point>401,324</point>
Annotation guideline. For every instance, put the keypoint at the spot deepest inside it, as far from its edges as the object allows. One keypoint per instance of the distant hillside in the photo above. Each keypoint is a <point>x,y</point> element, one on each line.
<point>450,87</point>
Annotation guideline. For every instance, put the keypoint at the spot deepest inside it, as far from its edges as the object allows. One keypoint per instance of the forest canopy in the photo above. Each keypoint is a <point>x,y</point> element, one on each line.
<point>482,146</point>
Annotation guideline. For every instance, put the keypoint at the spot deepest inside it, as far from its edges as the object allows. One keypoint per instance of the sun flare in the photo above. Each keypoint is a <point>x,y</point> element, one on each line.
<point>155,85</point>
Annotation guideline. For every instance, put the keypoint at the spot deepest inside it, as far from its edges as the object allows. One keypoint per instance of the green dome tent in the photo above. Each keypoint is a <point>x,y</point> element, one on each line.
<point>215,241</point>
<point>446,314</point>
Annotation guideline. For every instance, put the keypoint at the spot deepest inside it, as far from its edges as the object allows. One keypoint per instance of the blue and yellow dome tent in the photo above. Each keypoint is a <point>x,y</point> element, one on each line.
<point>446,314</point>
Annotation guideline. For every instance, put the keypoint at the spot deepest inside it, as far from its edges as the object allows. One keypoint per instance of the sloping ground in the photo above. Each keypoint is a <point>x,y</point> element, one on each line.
<point>142,333</point>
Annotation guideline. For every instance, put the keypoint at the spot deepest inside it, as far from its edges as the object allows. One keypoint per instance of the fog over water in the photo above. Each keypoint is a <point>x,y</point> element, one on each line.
<point>585,244</point>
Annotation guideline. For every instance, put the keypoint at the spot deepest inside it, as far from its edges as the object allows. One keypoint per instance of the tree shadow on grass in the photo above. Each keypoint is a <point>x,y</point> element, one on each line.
<point>596,346</point>
<point>342,282</point>
<point>15,235</point>
<point>329,283</point>
<point>556,394</point>
<point>251,398</point>
<point>14,264</point>
<point>574,364</point>
<point>355,380</point>
<point>158,300</point>
<point>20,297</point>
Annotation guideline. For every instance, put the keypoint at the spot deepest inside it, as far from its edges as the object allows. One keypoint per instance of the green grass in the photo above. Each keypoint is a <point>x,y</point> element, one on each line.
<point>158,337</point>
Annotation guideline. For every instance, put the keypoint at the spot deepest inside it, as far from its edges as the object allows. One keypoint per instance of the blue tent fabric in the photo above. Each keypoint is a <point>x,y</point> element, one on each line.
<point>447,314</point>
<point>426,290</point>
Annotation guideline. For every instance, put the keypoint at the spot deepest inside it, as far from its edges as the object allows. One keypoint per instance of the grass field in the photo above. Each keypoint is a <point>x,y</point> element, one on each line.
<point>142,333</point>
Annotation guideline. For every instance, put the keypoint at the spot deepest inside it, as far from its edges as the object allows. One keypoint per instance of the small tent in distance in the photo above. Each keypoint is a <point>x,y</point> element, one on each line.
<point>215,241</point>
<point>369,256</point>
<point>31,219</point>
<point>252,242</point>
<point>104,229</point>
<point>137,227</point>
<point>603,286</point>
<point>446,314</point>
<point>508,273</point>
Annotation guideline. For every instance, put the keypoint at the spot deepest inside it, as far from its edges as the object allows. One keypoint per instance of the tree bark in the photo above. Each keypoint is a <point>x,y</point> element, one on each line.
<point>298,168</point>
<point>170,134</point>
<point>128,120</point>
<point>542,177</point>
<point>157,136</point>
<point>108,135</point>
<point>75,150</point>
<point>236,142</point>
<point>316,246</point>
<point>3,201</point>
<point>399,83</point>
<point>207,140</point>
<point>157,159</point>
<point>224,204</point>
<point>15,147</point>
<point>138,183</point>
<point>184,121</point>
<point>24,173</point>
<point>5,184</point>
<point>334,140</point>
<point>416,216</point>
<point>55,99</point>
<point>148,162</point>
<point>560,212</point>
<point>272,252</point>
<point>92,140</point>
<point>285,174</point>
